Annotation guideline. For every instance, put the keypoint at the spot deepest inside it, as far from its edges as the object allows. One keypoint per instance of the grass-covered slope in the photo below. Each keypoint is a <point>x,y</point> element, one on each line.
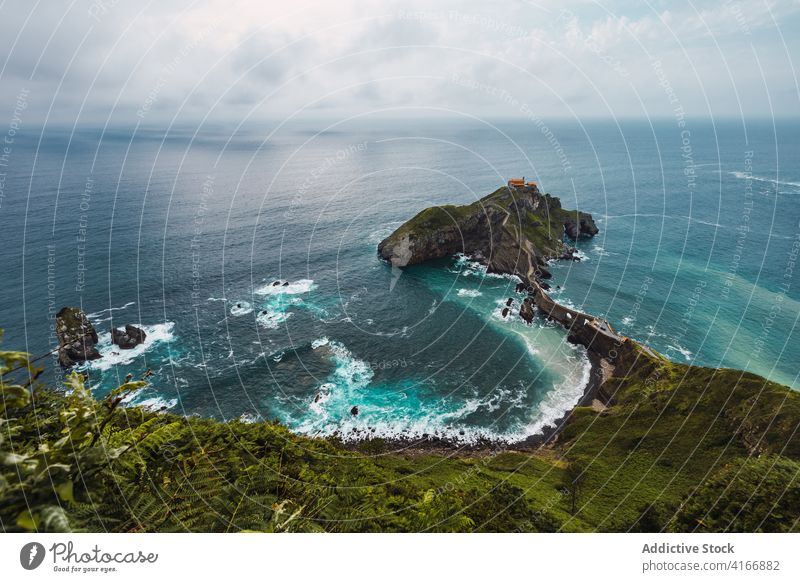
<point>680,449</point>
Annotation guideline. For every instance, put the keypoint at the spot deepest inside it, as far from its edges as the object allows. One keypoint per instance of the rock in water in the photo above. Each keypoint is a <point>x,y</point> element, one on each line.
<point>128,339</point>
<point>580,225</point>
<point>515,231</point>
<point>526,310</point>
<point>137,333</point>
<point>354,411</point>
<point>77,337</point>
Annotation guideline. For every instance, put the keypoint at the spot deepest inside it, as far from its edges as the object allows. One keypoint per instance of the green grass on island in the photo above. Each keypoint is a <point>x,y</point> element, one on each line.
<point>680,449</point>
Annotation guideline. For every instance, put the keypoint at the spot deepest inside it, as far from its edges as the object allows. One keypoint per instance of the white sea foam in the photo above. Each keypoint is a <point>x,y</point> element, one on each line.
<point>155,403</point>
<point>563,397</point>
<point>469,293</point>
<point>747,176</point>
<point>241,308</point>
<point>216,299</point>
<point>581,255</point>
<point>97,317</point>
<point>467,266</point>
<point>681,350</point>
<point>296,288</point>
<point>113,355</point>
<point>271,319</point>
<point>318,343</point>
<point>250,417</point>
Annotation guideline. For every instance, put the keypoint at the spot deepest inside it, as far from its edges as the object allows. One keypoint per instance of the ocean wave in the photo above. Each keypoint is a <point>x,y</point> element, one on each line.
<point>681,350</point>
<point>272,319</point>
<point>748,176</point>
<point>469,293</point>
<point>280,287</point>
<point>113,355</point>
<point>467,266</point>
<point>97,317</point>
<point>241,308</point>
<point>563,397</point>
<point>154,403</point>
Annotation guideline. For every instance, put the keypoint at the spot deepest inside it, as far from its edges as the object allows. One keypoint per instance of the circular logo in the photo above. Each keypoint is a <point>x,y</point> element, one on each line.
<point>31,555</point>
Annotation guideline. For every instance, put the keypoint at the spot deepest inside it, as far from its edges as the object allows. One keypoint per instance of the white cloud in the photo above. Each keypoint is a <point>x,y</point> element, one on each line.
<point>223,58</point>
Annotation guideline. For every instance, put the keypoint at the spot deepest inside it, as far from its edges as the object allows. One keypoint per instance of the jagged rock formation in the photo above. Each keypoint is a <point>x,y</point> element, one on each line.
<point>580,226</point>
<point>512,230</point>
<point>128,338</point>
<point>77,337</point>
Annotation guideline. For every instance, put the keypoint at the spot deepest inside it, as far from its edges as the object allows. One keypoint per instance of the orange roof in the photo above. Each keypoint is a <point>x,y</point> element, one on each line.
<point>516,181</point>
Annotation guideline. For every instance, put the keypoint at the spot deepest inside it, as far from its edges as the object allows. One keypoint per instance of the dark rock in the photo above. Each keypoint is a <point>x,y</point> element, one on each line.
<point>580,225</point>
<point>570,254</point>
<point>285,283</point>
<point>544,285</point>
<point>136,333</point>
<point>128,338</point>
<point>509,302</point>
<point>77,337</point>
<point>354,411</point>
<point>526,310</point>
<point>276,283</point>
<point>505,311</point>
<point>520,288</point>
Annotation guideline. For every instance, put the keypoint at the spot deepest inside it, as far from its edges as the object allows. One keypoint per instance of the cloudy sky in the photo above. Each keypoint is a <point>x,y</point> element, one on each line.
<point>122,62</point>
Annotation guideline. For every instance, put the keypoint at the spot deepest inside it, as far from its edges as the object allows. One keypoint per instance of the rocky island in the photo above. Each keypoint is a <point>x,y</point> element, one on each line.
<point>517,230</point>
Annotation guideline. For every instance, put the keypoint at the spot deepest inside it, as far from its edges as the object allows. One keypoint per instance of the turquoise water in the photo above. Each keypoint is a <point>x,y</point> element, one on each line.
<point>187,234</point>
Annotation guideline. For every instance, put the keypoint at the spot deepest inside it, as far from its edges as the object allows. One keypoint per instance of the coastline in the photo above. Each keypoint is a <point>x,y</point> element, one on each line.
<point>545,438</point>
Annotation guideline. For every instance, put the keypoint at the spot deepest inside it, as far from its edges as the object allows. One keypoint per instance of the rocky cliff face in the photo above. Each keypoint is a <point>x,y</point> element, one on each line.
<point>76,337</point>
<point>512,231</point>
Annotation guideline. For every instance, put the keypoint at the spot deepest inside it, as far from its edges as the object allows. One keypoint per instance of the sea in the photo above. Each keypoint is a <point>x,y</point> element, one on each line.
<point>248,255</point>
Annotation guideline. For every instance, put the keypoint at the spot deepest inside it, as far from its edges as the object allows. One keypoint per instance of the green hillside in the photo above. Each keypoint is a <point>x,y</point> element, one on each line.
<point>680,449</point>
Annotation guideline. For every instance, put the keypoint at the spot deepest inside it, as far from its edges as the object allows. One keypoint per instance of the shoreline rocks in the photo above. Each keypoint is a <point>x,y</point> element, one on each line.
<point>580,226</point>
<point>128,338</point>
<point>77,337</point>
<point>513,230</point>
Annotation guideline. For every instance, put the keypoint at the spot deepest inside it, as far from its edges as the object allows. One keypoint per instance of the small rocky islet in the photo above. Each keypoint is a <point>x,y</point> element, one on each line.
<point>77,337</point>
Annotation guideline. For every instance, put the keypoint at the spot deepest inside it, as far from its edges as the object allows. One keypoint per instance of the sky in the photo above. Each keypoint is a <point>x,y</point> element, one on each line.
<point>123,62</point>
